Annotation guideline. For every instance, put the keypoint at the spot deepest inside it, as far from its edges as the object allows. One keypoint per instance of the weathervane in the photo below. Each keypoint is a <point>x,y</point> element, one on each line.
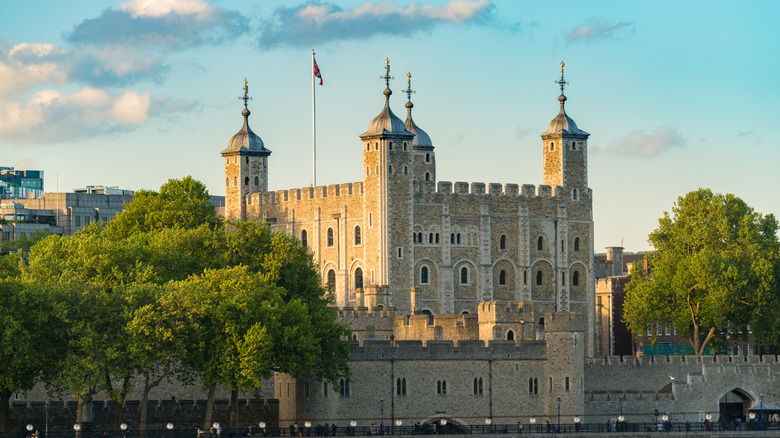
<point>409,90</point>
<point>245,97</point>
<point>563,83</point>
<point>387,76</point>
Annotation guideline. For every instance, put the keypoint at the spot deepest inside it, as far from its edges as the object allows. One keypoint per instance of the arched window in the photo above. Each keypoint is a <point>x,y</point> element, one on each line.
<point>530,385</point>
<point>419,238</point>
<point>563,248</point>
<point>464,275</point>
<point>330,236</point>
<point>538,278</point>
<point>257,181</point>
<point>437,238</point>
<point>406,170</point>
<point>452,239</point>
<point>304,238</point>
<point>235,180</point>
<point>427,176</point>
<point>576,244</point>
<point>540,243</point>
<point>457,238</point>
<point>575,278</point>
<point>247,160</point>
<point>227,182</point>
<point>502,242</point>
<point>510,335</point>
<point>563,278</point>
<point>502,277</point>
<point>430,238</point>
<point>552,146</point>
<point>246,181</point>
<point>427,158</point>
<point>574,194</point>
<point>475,386</point>
<point>358,278</point>
<point>357,235</point>
<point>480,386</point>
<point>398,386</point>
<point>525,277</point>
<point>331,280</point>
<point>424,275</point>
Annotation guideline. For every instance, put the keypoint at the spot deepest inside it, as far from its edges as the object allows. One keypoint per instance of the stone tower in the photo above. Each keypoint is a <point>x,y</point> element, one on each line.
<point>387,207</point>
<point>246,166</point>
<point>424,166</point>
<point>565,341</point>
<point>565,154</point>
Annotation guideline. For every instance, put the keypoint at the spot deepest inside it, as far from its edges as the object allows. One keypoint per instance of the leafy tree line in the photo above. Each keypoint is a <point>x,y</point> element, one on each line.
<point>165,290</point>
<point>714,274</point>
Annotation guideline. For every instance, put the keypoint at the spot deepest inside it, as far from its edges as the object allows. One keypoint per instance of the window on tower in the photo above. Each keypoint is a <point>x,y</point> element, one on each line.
<point>502,242</point>
<point>246,181</point>
<point>464,275</point>
<point>357,235</point>
<point>427,176</point>
<point>247,160</point>
<point>257,181</point>
<point>304,238</point>
<point>552,146</point>
<point>538,278</point>
<point>575,279</point>
<point>576,244</point>
<point>540,243</point>
<point>330,237</point>
<point>427,158</point>
<point>358,278</point>
<point>502,278</point>
<point>331,280</point>
<point>424,275</point>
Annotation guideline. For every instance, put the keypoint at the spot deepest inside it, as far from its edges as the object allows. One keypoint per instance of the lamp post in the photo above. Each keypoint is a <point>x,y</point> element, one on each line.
<point>577,423</point>
<point>123,426</point>
<point>761,414</point>
<point>382,411</point>
<point>488,422</point>
<point>352,425</point>
<point>307,424</point>
<point>532,421</point>
<point>46,430</point>
<point>398,424</point>
<point>559,414</point>
<point>262,427</point>
<point>621,406</point>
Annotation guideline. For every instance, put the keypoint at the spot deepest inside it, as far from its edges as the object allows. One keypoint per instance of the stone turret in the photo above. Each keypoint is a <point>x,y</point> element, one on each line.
<point>564,333</point>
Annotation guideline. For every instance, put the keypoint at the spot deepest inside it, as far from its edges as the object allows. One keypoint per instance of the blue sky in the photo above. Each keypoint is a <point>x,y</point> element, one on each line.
<point>676,95</point>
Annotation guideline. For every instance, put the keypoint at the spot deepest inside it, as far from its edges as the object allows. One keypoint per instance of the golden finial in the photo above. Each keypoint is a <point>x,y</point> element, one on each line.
<point>387,76</point>
<point>245,97</point>
<point>409,90</point>
<point>562,83</point>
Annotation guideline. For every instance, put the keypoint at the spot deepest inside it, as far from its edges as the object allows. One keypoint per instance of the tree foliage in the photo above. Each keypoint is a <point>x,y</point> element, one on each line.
<point>713,274</point>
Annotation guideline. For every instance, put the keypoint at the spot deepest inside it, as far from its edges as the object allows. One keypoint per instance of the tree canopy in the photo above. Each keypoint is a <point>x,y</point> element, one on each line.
<point>714,273</point>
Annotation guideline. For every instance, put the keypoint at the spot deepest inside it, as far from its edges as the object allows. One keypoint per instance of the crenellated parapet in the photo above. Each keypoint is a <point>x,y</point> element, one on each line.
<point>495,189</point>
<point>307,193</point>
<point>446,350</point>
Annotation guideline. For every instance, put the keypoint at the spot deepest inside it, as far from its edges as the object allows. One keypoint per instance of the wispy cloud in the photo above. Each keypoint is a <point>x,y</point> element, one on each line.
<point>595,30</point>
<point>51,115</point>
<point>160,24</point>
<point>319,22</point>
<point>647,144</point>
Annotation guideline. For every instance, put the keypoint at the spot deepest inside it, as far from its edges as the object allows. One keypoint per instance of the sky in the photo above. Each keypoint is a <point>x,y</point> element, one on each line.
<point>676,95</point>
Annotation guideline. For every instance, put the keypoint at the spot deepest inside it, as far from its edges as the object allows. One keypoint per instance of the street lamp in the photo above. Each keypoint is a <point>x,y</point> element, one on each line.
<point>559,414</point>
<point>29,428</point>
<point>621,406</point>
<point>577,423</point>
<point>761,414</point>
<point>169,426</point>
<point>664,418</point>
<point>77,427</point>
<point>123,426</point>
<point>352,425</point>
<point>382,410</point>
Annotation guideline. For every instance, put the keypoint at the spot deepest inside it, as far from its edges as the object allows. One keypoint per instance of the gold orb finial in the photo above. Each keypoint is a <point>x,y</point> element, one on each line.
<point>563,64</point>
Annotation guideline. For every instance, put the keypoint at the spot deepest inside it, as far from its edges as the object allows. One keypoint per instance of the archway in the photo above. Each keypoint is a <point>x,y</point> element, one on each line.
<point>733,405</point>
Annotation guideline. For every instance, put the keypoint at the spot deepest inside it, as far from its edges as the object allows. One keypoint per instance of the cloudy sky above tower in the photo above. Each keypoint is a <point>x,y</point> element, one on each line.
<point>676,95</point>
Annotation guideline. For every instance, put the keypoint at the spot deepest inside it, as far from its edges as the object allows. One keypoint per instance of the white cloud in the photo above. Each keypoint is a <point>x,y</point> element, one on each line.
<point>595,30</point>
<point>52,115</point>
<point>159,8</point>
<point>320,22</point>
<point>648,144</point>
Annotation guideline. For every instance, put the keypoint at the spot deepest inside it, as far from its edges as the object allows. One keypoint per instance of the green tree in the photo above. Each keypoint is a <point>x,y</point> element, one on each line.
<point>29,344</point>
<point>714,273</point>
<point>180,203</point>
<point>25,243</point>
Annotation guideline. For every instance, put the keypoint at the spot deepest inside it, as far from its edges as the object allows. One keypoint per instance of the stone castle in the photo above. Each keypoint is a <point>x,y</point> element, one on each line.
<point>470,301</point>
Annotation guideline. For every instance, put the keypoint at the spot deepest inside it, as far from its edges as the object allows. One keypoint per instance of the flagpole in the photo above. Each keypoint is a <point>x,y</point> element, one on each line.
<point>313,126</point>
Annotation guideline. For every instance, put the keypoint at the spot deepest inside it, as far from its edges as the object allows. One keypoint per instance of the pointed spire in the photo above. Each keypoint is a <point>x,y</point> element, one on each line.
<point>245,139</point>
<point>421,138</point>
<point>562,123</point>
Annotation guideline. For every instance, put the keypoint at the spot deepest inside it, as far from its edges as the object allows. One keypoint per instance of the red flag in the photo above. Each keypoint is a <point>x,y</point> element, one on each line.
<point>317,70</point>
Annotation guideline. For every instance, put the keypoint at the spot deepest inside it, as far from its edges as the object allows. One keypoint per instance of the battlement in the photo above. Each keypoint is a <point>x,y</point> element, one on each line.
<point>494,189</point>
<point>456,328</point>
<point>564,322</point>
<point>498,311</point>
<point>629,396</point>
<point>306,193</point>
<point>444,350</point>
<point>378,312</point>
<point>676,360</point>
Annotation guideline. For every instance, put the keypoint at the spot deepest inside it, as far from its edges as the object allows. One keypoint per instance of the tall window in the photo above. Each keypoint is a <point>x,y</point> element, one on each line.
<point>424,275</point>
<point>358,278</point>
<point>525,277</point>
<point>304,238</point>
<point>576,244</point>
<point>357,235</point>
<point>437,237</point>
<point>540,243</point>
<point>457,238</point>
<point>574,194</point>
<point>257,181</point>
<point>330,236</point>
<point>510,335</point>
<point>344,387</point>
<point>538,278</point>
<point>331,280</point>
<point>427,158</point>
<point>246,181</point>
<point>441,387</point>
<point>430,238</point>
<point>502,242</point>
<point>502,277</point>
<point>427,176</point>
<point>575,278</point>
<point>464,275</point>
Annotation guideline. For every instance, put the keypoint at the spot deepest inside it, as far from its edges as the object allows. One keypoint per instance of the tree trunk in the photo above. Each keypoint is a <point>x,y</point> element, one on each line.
<point>234,410</point>
<point>119,402</point>
<point>144,407</point>
<point>209,407</point>
<point>5,410</point>
<point>83,400</point>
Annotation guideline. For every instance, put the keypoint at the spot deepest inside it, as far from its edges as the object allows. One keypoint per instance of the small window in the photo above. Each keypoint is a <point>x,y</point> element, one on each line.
<point>575,278</point>
<point>430,238</point>
<point>427,158</point>
<point>227,181</point>
<point>358,278</point>
<point>475,386</point>
<point>563,278</point>
<point>563,247</point>
<point>540,243</point>
<point>436,237</point>
<point>574,194</point>
<point>567,384</point>
<point>246,181</point>
<point>344,387</point>
<point>398,387</point>
<point>325,389</point>
<point>576,244</point>
<point>452,239</point>
<point>376,146</point>
<point>552,146</point>
<point>404,145</point>
<point>427,176</point>
<point>441,387</point>
<point>419,238</point>
<point>510,335</point>
<point>390,145</point>
<point>530,385</point>
<point>357,235</point>
<point>370,219</point>
<point>502,277</point>
<point>424,275</point>
<point>536,386</point>
<point>406,170</point>
<point>525,277</point>
<point>400,253</point>
<point>368,171</point>
<point>502,242</point>
<point>457,238</point>
<point>480,386</point>
<point>304,238</point>
<point>368,146</point>
<point>390,169</point>
<point>235,181</point>
<point>538,278</point>
<point>330,237</point>
<point>331,280</point>
<point>573,146</point>
<point>257,181</point>
<point>464,275</point>
<point>403,381</point>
